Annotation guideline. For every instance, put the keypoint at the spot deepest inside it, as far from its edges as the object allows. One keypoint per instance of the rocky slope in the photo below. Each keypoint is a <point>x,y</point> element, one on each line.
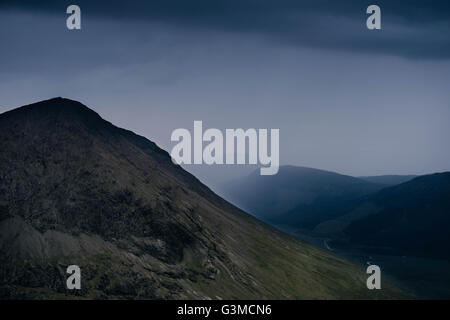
<point>74,189</point>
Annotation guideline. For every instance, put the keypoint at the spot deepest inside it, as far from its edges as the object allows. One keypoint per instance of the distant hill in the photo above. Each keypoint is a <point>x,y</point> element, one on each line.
<point>412,218</point>
<point>75,189</point>
<point>298,196</point>
<point>389,180</point>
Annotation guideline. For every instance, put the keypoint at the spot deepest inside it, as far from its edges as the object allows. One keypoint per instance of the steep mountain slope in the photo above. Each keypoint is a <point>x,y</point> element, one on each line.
<point>74,189</point>
<point>297,196</point>
<point>412,218</point>
<point>389,180</point>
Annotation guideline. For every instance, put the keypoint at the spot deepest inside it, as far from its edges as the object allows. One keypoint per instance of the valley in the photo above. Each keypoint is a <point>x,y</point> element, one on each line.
<point>77,190</point>
<point>402,227</point>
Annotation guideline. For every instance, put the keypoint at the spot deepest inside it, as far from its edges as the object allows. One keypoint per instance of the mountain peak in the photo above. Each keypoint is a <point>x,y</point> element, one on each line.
<point>52,113</point>
<point>55,107</point>
<point>75,189</point>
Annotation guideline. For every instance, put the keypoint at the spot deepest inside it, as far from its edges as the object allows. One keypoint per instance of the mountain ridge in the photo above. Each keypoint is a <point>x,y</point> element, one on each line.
<point>412,218</point>
<point>297,196</point>
<point>389,179</point>
<point>75,189</point>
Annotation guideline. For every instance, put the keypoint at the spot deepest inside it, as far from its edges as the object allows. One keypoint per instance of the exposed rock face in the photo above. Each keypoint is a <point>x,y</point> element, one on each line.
<point>74,189</point>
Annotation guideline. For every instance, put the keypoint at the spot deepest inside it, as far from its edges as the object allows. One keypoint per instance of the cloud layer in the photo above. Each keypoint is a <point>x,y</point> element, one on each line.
<point>416,29</point>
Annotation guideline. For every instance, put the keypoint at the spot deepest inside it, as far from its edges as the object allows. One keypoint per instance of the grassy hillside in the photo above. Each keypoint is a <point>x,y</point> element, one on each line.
<point>411,218</point>
<point>75,189</point>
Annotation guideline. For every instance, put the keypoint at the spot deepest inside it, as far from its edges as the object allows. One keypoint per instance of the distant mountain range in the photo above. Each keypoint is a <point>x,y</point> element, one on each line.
<point>75,189</point>
<point>412,216</point>
<point>298,196</point>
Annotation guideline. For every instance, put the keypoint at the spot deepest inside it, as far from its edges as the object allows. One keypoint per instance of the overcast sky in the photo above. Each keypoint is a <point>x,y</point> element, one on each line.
<point>345,99</point>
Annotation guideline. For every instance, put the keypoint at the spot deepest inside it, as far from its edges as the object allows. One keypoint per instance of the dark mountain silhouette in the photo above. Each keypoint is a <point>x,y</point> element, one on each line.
<point>298,197</point>
<point>389,180</point>
<point>412,218</point>
<point>75,189</point>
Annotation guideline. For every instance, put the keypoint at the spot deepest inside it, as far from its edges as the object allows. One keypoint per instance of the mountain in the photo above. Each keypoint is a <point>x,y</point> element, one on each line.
<point>298,197</point>
<point>412,218</point>
<point>389,180</point>
<point>75,189</point>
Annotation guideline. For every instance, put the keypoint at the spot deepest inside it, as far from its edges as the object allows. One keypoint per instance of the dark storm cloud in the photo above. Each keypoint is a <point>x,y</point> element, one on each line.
<point>412,29</point>
<point>345,98</point>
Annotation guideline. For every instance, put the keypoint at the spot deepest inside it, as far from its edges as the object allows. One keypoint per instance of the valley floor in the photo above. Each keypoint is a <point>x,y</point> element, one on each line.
<point>423,277</point>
